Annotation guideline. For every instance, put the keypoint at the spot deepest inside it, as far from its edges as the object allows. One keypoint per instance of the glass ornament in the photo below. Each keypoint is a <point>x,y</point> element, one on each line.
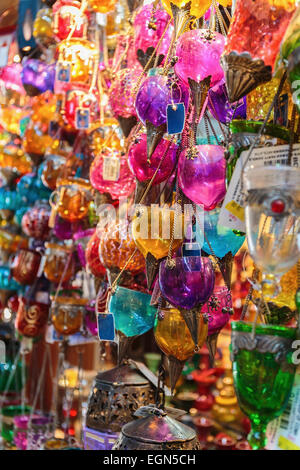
<point>199,53</point>
<point>201,175</point>
<point>31,318</point>
<point>222,239</point>
<point>142,168</point>
<point>36,139</point>
<point>71,198</point>
<point>187,282</point>
<point>115,249</point>
<point>263,373</point>
<point>31,189</point>
<point>102,6</point>
<point>80,108</point>
<point>272,220</point>
<point>92,256</point>
<point>90,320</point>
<point>37,77</point>
<point>250,57</point>
<point>77,58</point>
<point>12,242</point>
<point>220,107</point>
<point>67,314</point>
<point>66,13</point>
<point>42,27</point>
<point>14,159</point>
<point>149,25</point>
<point>174,339</point>
<point>25,265</point>
<point>57,257</point>
<point>110,173</point>
<point>155,94</point>
<point>132,311</point>
<point>35,222</point>
<point>121,99</point>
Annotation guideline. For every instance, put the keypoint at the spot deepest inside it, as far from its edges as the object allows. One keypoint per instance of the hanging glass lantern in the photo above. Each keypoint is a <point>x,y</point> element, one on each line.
<point>102,6</point>
<point>92,257</point>
<point>57,259</point>
<point>80,108</point>
<point>35,222</point>
<point>71,198</point>
<point>67,314</point>
<point>68,14</point>
<point>32,317</point>
<point>25,266</point>
<point>42,27</point>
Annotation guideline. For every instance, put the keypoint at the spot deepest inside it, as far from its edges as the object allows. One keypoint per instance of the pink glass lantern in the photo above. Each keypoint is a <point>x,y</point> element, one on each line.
<point>201,175</point>
<point>199,53</point>
<point>110,173</point>
<point>121,98</point>
<point>143,169</point>
<point>65,12</point>
<point>35,222</point>
<point>10,78</point>
<point>149,26</point>
<point>218,308</point>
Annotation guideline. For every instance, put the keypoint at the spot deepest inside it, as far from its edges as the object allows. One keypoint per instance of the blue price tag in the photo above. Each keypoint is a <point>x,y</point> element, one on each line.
<point>175,118</point>
<point>106,326</point>
<point>63,72</point>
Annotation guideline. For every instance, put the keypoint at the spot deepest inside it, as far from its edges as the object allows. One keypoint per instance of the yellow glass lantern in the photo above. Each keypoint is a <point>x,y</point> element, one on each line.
<point>80,56</point>
<point>174,339</point>
<point>44,108</point>
<point>35,142</point>
<point>67,314</point>
<point>152,228</point>
<point>12,157</point>
<point>198,7</point>
<point>42,27</point>
<point>10,117</point>
<point>12,242</point>
<point>102,6</point>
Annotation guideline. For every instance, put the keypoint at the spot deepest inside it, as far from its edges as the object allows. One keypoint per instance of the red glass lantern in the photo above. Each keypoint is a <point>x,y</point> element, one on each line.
<point>92,257</point>
<point>31,317</point>
<point>25,266</point>
<point>67,13</point>
<point>80,109</point>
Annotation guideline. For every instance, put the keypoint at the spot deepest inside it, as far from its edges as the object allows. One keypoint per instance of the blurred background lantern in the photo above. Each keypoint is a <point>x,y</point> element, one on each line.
<point>37,77</point>
<point>59,262</point>
<point>92,257</point>
<point>69,15</point>
<point>102,6</point>
<point>80,108</point>
<point>42,27</point>
<point>32,317</point>
<point>71,198</point>
<point>67,314</point>
<point>35,222</point>
<point>25,265</point>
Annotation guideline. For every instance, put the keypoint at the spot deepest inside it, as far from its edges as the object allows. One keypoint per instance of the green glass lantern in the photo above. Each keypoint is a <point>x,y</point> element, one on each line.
<point>263,373</point>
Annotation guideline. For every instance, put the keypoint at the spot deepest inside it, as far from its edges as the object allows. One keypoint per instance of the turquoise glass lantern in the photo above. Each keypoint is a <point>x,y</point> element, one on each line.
<point>10,199</point>
<point>223,240</point>
<point>31,189</point>
<point>132,311</point>
<point>6,280</point>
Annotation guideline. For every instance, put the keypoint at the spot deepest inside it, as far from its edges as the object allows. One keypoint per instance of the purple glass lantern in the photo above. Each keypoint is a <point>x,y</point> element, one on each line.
<point>33,437</point>
<point>96,440</point>
<point>37,77</point>
<point>142,168</point>
<point>188,282</point>
<point>201,174</point>
<point>81,238</point>
<point>62,229</point>
<point>155,94</point>
<point>220,107</point>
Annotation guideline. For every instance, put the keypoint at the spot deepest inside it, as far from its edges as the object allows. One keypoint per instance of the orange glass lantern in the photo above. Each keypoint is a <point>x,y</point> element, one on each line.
<point>12,242</point>
<point>44,108</point>
<point>67,13</point>
<point>53,167</point>
<point>76,61</point>
<point>67,314</point>
<point>102,6</point>
<point>31,317</point>
<point>71,199</point>
<point>57,258</point>
<point>174,339</point>
<point>10,117</point>
<point>116,247</point>
<point>12,157</point>
<point>36,139</point>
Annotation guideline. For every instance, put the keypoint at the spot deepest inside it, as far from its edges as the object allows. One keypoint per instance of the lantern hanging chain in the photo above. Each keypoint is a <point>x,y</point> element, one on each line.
<point>83,6</point>
<point>100,89</point>
<point>292,135</point>
<point>206,128</point>
<point>96,61</point>
<point>170,263</point>
<point>212,128</point>
<point>248,299</point>
<point>256,140</point>
<point>63,276</point>
<point>160,390</point>
<point>136,88</point>
<point>227,14</point>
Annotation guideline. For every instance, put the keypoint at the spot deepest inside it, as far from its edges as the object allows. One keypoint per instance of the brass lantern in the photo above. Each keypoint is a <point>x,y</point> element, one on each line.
<point>116,395</point>
<point>156,431</point>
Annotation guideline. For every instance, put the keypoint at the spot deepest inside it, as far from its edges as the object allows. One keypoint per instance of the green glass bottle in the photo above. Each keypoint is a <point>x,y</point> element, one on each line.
<point>263,373</point>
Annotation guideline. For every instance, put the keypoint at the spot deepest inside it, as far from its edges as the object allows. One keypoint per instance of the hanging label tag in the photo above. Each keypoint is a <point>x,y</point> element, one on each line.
<point>175,118</point>
<point>232,210</point>
<point>284,432</point>
<point>82,118</point>
<point>106,326</point>
<point>191,249</point>
<point>63,72</point>
<point>111,168</point>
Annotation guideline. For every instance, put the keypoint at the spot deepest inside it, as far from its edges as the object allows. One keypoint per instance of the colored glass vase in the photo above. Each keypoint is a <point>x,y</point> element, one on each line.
<point>263,373</point>
<point>132,311</point>
<point>71,198</point>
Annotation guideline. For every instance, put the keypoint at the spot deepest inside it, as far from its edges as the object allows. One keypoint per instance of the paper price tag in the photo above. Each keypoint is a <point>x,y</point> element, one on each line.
<point>232,210</point>
<point>111,168</point>
<point>106,326</point>
<point>175,118</point>
<point>82,118</point>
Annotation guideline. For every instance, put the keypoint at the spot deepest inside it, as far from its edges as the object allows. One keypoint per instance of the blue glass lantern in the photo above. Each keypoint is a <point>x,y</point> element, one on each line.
<point>222,239</point>
<point>10,199</point>
<point>132,311</point>
<point>31,188</point>
<point>7,282</point>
